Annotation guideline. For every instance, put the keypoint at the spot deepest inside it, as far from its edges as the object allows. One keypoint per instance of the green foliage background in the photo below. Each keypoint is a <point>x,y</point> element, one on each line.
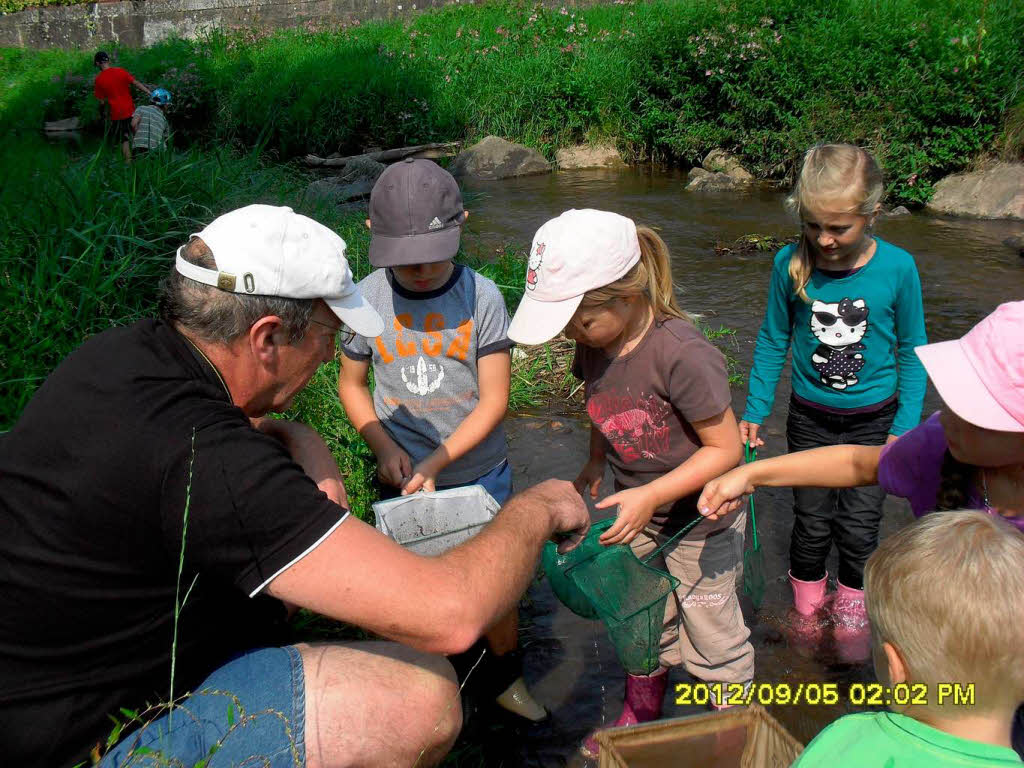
<point>927,86</point>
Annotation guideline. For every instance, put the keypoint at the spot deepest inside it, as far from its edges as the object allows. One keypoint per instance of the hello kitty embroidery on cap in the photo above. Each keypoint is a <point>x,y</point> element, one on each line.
<point>533,267</point>
<point>579,251</point>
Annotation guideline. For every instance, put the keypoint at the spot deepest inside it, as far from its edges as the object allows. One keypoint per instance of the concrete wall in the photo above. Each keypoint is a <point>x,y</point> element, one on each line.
<point>144,22</point>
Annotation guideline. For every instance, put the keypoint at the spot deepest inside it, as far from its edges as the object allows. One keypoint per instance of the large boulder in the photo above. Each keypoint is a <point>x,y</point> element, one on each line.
<point>720,161</point>
<point>588,156</point>
<point>706,181</point>
<point>996,192</point>
<point>495,158</point>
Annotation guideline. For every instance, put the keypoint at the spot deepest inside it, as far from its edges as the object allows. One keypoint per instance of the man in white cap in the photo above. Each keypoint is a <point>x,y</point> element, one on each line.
<point>152,528</point>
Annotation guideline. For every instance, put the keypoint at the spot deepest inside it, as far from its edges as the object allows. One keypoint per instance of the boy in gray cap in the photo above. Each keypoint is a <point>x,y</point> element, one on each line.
<point>442,368</point>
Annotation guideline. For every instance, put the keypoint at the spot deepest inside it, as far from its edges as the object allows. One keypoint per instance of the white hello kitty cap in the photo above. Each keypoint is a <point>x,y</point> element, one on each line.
<point>576,252</point>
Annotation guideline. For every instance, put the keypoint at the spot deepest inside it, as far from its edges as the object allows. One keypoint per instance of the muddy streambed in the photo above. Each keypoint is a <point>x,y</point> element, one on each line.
<point>570,665</point>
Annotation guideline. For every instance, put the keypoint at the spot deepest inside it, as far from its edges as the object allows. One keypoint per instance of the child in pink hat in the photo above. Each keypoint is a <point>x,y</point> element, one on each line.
<point>657,394</point>
<point>970,454</point>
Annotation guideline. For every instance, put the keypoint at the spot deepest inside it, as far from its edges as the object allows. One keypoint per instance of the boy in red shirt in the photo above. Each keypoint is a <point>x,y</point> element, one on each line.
<point>113,87</point>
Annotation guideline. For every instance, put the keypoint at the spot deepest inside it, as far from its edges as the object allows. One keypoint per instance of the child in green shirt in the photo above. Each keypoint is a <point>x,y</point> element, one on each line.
<point>945,597</point>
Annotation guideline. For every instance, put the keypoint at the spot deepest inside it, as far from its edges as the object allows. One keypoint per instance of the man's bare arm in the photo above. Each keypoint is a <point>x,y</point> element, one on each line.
<point>437,604</point>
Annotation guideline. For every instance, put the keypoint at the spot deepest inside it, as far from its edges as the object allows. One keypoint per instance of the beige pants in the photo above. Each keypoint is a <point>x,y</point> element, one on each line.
<point>713,644</point>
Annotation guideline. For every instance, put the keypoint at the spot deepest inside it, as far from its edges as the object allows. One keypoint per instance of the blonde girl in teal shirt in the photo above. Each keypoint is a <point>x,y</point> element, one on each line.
<point>849,304</point>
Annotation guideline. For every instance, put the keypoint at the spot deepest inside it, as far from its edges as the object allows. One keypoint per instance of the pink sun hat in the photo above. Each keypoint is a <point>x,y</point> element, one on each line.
<point>579,251</point>
<point>980,376</point>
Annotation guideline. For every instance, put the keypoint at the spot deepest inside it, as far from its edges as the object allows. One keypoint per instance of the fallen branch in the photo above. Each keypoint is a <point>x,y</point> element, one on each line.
<point>431,151</point>
<point>61,126</point>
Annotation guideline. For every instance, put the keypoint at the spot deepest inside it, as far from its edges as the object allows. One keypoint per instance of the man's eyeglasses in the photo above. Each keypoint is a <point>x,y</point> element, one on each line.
<point>343,336</point>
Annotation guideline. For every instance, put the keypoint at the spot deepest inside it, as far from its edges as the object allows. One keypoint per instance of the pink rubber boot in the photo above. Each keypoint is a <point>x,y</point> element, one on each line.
<point>851,629</point>
<point>808,596</point>
<point>644,696</point>
<point>806,624</point>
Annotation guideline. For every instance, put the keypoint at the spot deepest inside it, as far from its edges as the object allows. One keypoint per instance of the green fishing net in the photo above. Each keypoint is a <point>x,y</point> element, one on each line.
<point>556,568</point>
<point>753,559</point>
<point>629,596</point>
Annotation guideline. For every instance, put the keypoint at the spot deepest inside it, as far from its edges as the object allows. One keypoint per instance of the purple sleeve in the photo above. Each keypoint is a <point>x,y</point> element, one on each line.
<point>912,466</point>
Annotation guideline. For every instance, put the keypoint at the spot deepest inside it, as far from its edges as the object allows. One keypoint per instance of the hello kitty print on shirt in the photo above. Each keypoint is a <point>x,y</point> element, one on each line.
<point>840,328</point>
<point>533,266</point>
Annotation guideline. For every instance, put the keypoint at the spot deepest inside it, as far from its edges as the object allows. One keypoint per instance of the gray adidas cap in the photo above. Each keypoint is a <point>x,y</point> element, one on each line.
<point>415,215</point>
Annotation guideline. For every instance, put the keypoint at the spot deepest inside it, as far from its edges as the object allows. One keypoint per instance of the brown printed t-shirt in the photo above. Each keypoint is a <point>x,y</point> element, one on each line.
<point>645,401</point>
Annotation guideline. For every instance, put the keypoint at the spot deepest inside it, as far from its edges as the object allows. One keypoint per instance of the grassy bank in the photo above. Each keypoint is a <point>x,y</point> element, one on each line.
<point>929,86</point>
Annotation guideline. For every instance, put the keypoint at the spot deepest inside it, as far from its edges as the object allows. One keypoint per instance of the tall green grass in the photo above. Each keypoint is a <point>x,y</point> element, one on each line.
<point>85,241</point>
<point>926,85</point>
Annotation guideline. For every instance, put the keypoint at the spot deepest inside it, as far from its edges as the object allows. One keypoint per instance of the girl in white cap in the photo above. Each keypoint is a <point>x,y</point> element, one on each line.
<point>657,393</point>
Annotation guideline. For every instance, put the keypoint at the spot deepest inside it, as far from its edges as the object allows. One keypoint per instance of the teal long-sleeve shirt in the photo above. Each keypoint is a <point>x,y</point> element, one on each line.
<point>853,345</point>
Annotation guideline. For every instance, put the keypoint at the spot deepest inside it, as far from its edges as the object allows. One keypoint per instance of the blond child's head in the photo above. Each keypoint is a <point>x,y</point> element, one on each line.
<point>945,596</point>
<point>837,195</point>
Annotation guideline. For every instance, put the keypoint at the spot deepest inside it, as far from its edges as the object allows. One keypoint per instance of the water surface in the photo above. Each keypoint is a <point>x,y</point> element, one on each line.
<point>965,272</point>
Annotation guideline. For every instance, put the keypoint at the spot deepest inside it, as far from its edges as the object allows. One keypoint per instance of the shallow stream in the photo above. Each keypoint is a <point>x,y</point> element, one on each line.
<point>571,667</point>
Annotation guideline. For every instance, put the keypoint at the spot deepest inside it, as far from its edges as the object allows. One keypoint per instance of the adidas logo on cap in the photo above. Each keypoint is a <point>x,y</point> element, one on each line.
<point>435,224</point>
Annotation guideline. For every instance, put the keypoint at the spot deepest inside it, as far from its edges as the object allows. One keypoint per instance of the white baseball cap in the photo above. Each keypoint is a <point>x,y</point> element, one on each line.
<point>579,251</point>
<point>266,250</point>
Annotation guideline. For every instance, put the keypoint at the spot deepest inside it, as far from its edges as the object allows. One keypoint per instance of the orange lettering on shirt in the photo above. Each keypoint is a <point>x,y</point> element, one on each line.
<point>385,356</point>
<point>460,344</point>
<point>402,347</point>
<point>433,323</point>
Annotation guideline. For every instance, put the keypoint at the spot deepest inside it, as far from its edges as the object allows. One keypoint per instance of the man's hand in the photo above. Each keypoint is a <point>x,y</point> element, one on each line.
<point>590,477</point>
<point>748,434</point>
<point>636,506</point>
<point>724,495</point>
<point>394,467</point>
<point>568,513</point>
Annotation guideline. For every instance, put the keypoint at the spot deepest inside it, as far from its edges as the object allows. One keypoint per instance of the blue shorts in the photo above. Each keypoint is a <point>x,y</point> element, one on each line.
<point>498,483</point>
<point>251,711</point>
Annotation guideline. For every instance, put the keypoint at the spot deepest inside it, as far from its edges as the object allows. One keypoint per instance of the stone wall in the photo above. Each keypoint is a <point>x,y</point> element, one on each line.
<point>144,22</point>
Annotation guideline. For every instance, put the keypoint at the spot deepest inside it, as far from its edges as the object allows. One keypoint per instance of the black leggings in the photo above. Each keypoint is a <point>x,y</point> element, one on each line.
<point>848,516</point>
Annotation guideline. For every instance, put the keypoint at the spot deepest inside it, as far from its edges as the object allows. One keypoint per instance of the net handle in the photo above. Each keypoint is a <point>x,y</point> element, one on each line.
<point>749,455</point>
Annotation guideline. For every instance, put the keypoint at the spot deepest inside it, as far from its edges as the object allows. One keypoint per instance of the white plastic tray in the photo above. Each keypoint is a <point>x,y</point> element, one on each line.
<point>432,522</point>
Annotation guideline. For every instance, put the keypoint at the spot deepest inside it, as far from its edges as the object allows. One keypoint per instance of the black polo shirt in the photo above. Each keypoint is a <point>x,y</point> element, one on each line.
<point>133,431</point>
